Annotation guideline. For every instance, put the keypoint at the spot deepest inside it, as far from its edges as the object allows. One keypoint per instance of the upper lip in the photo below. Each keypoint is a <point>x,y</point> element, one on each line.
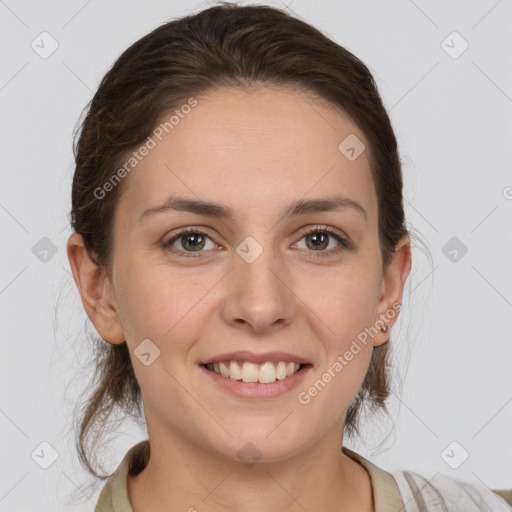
<point>251,357</point>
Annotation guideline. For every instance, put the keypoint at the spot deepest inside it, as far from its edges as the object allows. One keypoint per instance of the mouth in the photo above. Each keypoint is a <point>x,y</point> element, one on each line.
<point>247,372</point>
<point>251,381</point>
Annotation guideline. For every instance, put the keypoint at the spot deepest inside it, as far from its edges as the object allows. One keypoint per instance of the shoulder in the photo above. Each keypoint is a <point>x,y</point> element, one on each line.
<point>444,493</point>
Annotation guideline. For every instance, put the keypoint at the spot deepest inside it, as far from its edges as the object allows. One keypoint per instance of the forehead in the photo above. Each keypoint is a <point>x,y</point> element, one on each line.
<point>259,147</point>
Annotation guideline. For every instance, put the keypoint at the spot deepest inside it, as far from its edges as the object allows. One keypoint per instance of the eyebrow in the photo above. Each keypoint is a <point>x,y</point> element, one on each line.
<point>215,210</point>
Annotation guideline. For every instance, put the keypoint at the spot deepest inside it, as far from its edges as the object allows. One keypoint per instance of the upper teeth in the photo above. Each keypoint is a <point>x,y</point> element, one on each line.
<point>249,372</point>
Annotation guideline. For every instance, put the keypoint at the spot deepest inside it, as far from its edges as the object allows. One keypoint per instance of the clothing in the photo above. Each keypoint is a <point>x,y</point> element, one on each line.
<point>400,491</point>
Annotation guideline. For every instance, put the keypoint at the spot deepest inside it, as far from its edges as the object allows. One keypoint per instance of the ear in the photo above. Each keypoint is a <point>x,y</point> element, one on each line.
<point>95,290</point>
<point>393,281</point>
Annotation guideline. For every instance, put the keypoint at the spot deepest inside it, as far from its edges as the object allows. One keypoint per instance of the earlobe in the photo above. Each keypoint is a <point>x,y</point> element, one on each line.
<point>393,281</point>
<point>95,291</point>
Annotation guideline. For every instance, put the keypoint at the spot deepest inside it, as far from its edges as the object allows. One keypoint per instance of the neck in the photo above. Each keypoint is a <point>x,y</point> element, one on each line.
<point>182,476</point>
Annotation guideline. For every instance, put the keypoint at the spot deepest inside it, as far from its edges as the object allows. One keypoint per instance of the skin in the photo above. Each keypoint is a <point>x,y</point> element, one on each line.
<point>255,151</point>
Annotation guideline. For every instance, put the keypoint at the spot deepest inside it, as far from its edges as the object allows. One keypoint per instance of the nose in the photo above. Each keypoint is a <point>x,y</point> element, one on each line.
<point>259,296</point>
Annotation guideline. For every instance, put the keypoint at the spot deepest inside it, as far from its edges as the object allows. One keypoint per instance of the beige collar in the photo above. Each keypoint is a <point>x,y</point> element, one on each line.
<point>386,494</point>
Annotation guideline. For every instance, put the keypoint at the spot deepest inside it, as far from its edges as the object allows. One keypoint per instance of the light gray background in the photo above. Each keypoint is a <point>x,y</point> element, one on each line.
<point>453,120</point>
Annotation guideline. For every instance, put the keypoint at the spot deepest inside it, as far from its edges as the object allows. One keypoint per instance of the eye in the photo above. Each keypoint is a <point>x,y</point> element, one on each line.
<point>317,239</point>
<point>194,240</point>
<point>191,240</point>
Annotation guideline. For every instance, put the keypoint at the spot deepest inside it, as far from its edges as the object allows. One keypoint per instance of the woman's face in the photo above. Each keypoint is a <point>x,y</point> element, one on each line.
<point>254,281</point>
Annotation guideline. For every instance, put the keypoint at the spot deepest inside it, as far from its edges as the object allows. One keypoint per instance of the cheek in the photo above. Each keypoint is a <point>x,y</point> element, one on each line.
<point>163,309</point>
<point>154,302</point>
<point>346,352</point>
<point>344,301</point>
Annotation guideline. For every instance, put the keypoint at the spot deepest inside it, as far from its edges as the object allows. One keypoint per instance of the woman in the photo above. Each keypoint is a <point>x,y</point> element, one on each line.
<point>240,246</point>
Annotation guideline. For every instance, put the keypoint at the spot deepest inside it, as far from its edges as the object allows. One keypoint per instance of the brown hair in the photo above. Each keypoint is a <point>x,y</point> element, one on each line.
<point>223,46</point>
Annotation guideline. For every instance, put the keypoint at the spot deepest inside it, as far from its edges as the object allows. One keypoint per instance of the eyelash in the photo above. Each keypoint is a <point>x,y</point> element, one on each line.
<point>344,243</point>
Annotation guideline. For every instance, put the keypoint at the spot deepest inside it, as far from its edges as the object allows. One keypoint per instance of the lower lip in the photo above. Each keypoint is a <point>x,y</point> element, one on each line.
<point>258,390</point>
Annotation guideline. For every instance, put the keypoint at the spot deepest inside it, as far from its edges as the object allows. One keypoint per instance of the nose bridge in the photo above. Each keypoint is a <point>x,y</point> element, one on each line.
<point>255,267</point>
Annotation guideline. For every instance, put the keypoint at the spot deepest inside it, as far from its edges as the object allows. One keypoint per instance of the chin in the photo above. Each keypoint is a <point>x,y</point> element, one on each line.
<point>257,446</point>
